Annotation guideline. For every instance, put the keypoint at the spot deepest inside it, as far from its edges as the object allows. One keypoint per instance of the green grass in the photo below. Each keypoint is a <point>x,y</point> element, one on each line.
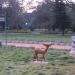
<point>16,61</point>
<point>36,37</point>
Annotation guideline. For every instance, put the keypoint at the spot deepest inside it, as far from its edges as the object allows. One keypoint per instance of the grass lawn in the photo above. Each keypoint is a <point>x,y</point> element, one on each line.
<point>16,61</point>
<point>36,37</point>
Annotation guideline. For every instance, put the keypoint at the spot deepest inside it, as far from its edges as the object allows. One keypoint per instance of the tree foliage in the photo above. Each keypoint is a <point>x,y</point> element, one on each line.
<point>62,19</point>
<point>53,15</point>
<point>44,16</point>
<point>13,12</point>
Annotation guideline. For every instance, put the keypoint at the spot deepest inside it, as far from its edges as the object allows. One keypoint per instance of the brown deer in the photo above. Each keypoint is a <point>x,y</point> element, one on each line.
<point>42,51</point>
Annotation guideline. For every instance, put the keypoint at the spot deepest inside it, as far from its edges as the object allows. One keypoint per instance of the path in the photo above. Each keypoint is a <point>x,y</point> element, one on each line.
<point>36,45</point>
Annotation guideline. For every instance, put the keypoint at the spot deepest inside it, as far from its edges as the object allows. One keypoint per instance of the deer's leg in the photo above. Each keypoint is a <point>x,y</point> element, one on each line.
<point>36,57</point>
<point>43,57</point>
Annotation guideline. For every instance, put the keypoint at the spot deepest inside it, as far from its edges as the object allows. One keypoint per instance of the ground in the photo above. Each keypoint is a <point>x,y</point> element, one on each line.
<point>36,37</point>
<point>17,61</point>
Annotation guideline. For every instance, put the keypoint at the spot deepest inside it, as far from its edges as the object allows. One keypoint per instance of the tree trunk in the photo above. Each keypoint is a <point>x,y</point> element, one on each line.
<point>63,33</point>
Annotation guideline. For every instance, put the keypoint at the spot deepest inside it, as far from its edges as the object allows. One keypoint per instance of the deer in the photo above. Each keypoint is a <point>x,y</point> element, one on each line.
<point>41,51</point>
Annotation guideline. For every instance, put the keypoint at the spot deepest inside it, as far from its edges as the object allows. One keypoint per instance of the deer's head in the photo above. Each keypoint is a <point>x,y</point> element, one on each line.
<point>47,45</point>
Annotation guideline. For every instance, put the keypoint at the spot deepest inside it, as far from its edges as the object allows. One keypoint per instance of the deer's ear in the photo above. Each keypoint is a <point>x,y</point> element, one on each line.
<point>51,44</point>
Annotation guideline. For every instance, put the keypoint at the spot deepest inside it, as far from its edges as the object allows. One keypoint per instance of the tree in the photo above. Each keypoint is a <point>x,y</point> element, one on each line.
<point>72,15</point>
<point>52,15</point>
<point>62,19</point>
<point>13,12</point>
<point>44,15</point>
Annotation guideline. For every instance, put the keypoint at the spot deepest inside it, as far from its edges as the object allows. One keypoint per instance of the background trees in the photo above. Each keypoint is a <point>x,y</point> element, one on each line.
<point>62,19</point>
<point>54,15</point>
<point>44,17</point>
<point>13,11</point>
<point>49,15</point>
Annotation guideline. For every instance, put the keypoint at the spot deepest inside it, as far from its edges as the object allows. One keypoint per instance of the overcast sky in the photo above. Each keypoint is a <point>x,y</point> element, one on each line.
<point>73,0</point>
<point>33,3</point>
